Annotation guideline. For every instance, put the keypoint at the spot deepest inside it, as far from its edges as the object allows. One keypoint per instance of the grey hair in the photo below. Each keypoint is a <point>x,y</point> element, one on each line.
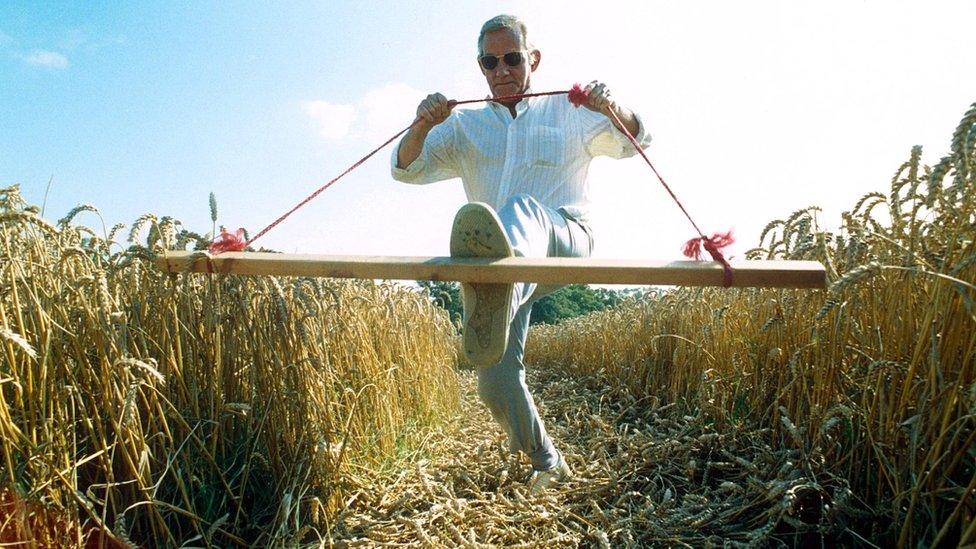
<point>508,22</point>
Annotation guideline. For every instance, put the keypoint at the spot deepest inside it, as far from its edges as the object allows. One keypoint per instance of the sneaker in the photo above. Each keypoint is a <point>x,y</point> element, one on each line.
<point>478,232</point>
<point>543,479</point>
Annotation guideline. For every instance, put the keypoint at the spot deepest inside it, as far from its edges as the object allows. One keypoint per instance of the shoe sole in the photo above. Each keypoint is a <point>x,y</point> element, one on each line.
<point>477,232</point>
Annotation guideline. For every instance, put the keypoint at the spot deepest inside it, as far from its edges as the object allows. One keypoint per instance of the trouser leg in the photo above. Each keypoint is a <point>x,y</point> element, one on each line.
<point>503,389</point>
<point>534,231</point>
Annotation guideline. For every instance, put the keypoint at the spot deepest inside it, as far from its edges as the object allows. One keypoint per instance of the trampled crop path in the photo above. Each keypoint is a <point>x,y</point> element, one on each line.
<point>644,475</point>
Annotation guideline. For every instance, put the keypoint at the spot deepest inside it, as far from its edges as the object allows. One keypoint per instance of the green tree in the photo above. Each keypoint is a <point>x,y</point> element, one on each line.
<point>570,301</point>
<point>567,302</point>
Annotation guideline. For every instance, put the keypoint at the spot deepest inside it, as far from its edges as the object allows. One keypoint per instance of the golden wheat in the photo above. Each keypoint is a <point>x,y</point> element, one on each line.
<point>163,409</point>
<point>875,379</point>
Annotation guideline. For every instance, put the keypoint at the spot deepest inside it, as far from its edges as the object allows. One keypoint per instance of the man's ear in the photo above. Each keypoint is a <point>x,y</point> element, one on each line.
<point>534,57</point>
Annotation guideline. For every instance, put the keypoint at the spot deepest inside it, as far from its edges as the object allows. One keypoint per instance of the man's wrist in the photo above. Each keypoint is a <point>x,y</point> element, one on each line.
<point>422,129</point>
<point>412,145</point>
<point>617,110</point>
<point>625,117</point>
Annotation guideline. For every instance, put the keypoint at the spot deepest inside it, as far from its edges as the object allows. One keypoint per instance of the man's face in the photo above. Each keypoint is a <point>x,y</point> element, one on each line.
<point>503,79</point>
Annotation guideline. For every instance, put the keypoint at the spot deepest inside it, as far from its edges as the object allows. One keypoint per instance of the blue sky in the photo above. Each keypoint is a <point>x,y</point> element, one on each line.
<point>756,109</point>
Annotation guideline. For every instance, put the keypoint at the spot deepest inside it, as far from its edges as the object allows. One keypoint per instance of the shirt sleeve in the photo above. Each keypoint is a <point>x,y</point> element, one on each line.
<point>602,138</point>
<point>437,160</point>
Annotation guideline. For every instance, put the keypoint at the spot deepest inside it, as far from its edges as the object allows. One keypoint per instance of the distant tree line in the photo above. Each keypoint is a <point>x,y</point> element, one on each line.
<point>566,302</point>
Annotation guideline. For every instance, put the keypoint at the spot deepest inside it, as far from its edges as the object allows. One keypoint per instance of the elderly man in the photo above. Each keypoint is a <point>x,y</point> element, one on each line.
<point>527,160</point>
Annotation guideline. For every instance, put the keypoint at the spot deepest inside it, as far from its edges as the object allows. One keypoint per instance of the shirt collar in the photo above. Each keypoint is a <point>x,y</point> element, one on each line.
<point>519,107</point>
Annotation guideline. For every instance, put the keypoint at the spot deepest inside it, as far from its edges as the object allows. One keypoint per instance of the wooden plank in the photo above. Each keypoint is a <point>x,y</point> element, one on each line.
<point>553,270</point>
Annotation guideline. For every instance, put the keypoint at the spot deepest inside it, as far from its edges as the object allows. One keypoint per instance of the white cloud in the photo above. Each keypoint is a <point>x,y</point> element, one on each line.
<point>46,58</point>
<point>334,120</point>
<point>388,110</point>
<point>379,114</point>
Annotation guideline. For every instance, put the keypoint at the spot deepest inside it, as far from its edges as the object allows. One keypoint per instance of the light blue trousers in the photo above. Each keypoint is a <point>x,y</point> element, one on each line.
<point>534,231</point>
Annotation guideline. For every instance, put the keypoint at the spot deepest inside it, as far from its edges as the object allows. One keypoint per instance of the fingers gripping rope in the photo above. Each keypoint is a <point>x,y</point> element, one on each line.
<point>578,96</point>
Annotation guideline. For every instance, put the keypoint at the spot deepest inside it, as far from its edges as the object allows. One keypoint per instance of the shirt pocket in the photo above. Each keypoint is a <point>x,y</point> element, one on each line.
<point>547,146</point>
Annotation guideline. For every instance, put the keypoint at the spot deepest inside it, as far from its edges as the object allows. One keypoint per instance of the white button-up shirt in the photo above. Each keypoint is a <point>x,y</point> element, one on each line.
<point>545,152</point>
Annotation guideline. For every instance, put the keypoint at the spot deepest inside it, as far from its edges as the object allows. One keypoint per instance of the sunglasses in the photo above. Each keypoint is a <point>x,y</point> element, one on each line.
<point>512,59</point>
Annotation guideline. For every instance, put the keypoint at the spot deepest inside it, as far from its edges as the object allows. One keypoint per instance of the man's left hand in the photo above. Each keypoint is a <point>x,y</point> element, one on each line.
<point>598,98</point>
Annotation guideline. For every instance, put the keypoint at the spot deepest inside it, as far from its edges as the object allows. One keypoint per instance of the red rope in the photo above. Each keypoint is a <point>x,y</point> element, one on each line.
<point>692,248</point>
<point>234,242</point>
<point>228,242</point>
<point>324,187</point>
<point>574,96</point>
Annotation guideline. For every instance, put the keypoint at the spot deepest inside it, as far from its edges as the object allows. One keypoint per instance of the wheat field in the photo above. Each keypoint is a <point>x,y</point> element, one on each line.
<point>872,382</point>
<point>139,408</point>
<point>207,410</point>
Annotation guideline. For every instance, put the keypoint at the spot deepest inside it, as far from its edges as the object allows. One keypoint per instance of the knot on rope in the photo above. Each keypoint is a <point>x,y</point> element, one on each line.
<point>713,245</point>
<point>229,241</point>
<point>577,95</point>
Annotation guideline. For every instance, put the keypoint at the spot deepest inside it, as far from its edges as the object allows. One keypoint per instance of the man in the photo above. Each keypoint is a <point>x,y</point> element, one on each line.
<point>527,160</point>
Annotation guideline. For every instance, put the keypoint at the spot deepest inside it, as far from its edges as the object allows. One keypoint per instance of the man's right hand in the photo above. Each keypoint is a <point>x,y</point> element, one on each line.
<point>434,109</point>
